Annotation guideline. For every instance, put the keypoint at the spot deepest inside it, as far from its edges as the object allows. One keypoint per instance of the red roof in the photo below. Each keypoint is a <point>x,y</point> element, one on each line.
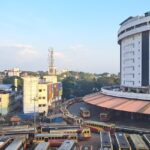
<point>15,119</point>
<point>117,103</point>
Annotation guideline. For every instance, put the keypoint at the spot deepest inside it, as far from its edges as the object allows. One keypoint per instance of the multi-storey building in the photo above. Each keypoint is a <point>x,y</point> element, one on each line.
<point>30,88</point>
<point>13,72</point>
<point>43,97</point>
<point>134,40</point>
<point>9,100</point>
<point>38,94</point>
<point>4,102</point>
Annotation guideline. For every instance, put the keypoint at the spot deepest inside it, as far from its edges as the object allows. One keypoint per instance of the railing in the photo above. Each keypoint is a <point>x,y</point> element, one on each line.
<point>122,94</point>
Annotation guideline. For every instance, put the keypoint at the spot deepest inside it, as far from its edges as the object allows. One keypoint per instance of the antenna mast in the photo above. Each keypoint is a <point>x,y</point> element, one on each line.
<point>52,69</point>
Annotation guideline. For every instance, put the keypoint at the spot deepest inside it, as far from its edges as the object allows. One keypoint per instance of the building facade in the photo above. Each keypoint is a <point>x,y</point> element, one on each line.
<point>43,98</point>
<point>4,102</point>
<point>134,41</point>
<point>38,94</point>
<point>30,90</point>
<point>13,72</point>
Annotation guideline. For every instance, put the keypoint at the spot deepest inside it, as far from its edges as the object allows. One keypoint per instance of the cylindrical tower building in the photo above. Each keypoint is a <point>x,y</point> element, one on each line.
<point>134,41</point>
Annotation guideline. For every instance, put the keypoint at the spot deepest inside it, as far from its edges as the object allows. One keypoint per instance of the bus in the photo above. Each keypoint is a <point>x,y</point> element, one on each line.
<point>5,141</point>
<point>122,142</point>
<point>105,141</point>
<point>55,139</point>
<point>43,146</point>
<point>17,144</point>
<point>147,139</point>
<point>137,142</point>
<point>104,117</point>
<point>96,126</point>
<point>84,112</point>
<point>83,133</point>
<point>68,145</point>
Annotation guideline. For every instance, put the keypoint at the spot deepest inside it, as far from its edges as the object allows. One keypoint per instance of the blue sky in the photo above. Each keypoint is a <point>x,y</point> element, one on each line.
<point>82,32</point>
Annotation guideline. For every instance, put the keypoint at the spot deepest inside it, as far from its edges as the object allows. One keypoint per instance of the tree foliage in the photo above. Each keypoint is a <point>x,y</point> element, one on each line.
<point>80,83</point>
<point>10,80</point>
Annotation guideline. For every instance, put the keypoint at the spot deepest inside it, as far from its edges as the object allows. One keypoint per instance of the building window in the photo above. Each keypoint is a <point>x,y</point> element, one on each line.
<point>43,97</point>
<point>44,105</point>
<point>133,67</point>
<point>133,75</point>
<point>133,45</point>
<point>39,97</point>
<point>141,24</point>
<point>40,105</point>
<point>40,90</point>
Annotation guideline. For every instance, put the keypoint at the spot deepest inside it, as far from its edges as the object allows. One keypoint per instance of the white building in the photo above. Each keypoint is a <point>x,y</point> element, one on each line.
<point>14,72</point>
<point>30,91</point>
<point>133,37</point>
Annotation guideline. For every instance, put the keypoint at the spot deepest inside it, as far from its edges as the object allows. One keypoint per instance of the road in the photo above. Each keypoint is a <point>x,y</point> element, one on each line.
<point>95,111</point>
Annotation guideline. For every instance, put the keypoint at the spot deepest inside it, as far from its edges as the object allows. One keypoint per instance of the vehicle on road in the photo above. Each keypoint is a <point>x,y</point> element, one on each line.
<point>96,126</point>
<point>55,139</point>
<point>105,141</point>
<point>137,142</point>
<point>84,112</point>
<point>83,133</point>
<point>43,146</point>
<point>68,145</point>
<point>122,142</point>
<point>5,141</point>
<point>147,139</point>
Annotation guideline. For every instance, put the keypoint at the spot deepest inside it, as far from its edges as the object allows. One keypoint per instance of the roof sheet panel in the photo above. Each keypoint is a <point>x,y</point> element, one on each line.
<point>123,104</point>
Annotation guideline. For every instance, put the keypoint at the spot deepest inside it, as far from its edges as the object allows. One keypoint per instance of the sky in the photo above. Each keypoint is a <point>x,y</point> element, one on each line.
<point>83,33</point>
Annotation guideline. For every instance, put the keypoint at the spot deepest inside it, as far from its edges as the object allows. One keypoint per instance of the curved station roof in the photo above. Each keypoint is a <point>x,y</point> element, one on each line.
<point>117,103</point>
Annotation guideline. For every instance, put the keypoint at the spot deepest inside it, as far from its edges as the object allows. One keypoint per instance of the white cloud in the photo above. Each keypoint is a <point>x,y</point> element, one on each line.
<point>22,46</point>
<point>59,55</point>
<point>25,53</point>
<point>76,47</point>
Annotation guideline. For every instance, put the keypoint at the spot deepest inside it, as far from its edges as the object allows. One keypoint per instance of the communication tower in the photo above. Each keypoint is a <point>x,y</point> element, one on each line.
<point>51,68</point>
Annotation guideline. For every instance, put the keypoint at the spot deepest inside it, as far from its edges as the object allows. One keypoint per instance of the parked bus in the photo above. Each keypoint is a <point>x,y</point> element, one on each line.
<point>55,139</point>
<point>84,112</point>
<point>99,126</point>
<point>147,139</point>
<point>122,142</point>
<point>43,146</point>
<point>83,133</point>
<point>68,145</point>
<point>105,141</point>
<point>17,144</point>
<point>137,142</point>
<point>5,141</point>
<point>104,117</point>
